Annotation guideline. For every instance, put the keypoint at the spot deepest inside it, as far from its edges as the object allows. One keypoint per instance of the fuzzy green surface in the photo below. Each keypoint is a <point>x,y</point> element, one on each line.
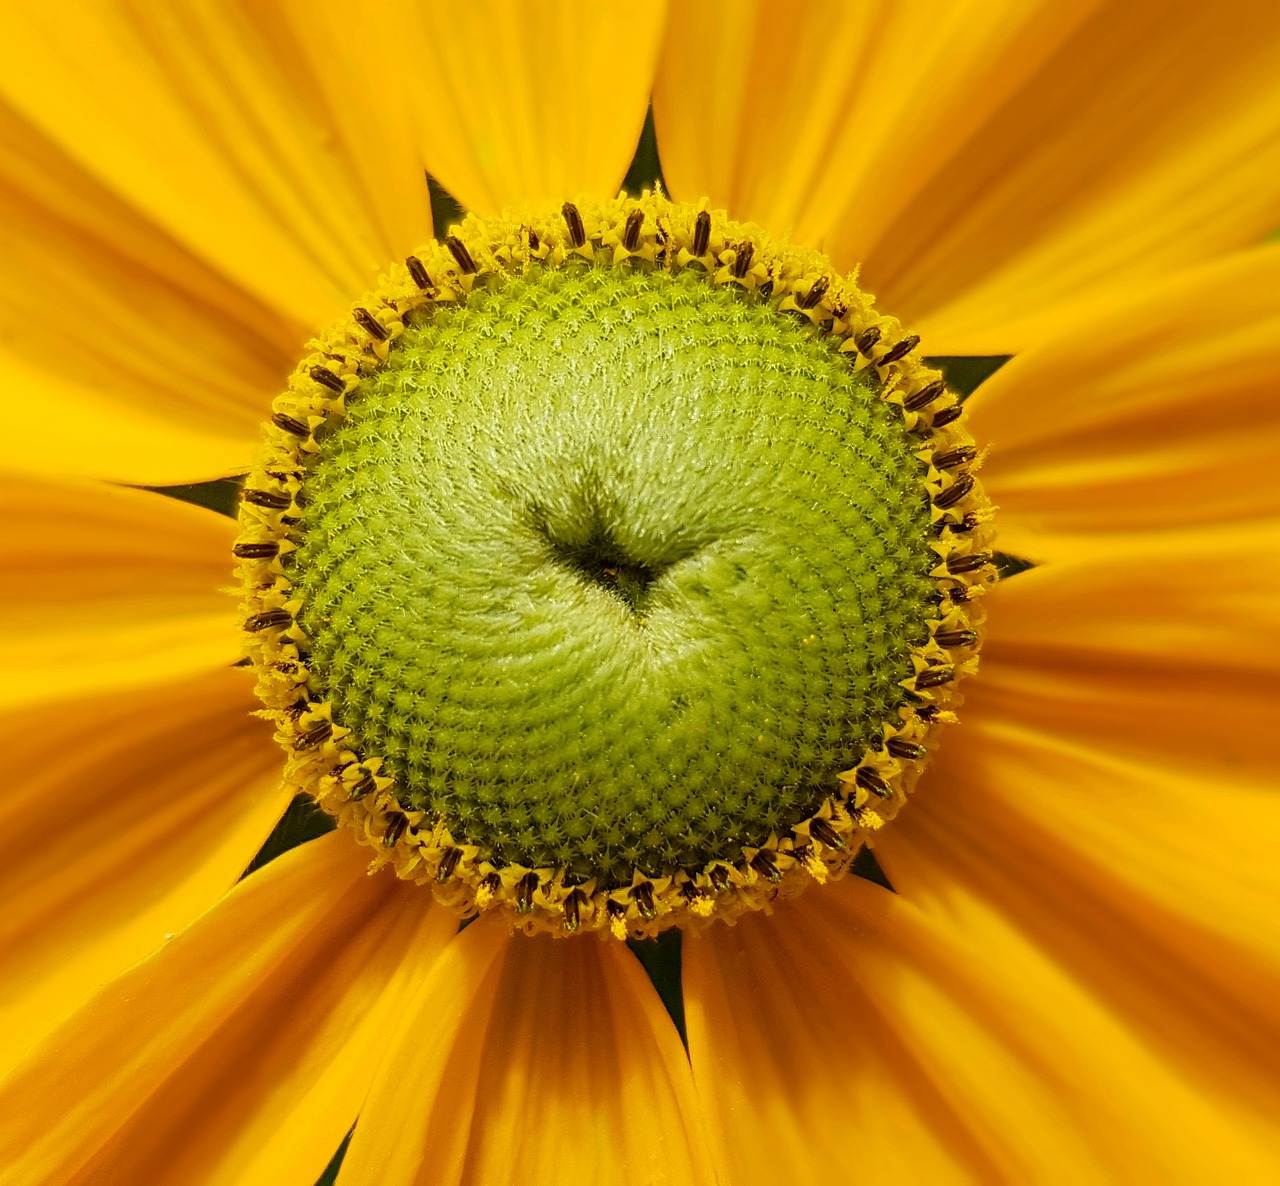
<point>616,569</point>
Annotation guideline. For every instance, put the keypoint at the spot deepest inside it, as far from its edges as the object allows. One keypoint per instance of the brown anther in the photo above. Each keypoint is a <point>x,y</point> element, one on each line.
<point>956,638</point>
<point>691,891</point>
<point>532,236</point>
<point>719,876</point>
<point>255,551</point>
<point>524,892</point>
<point>326,378</point>
<point>268,619</point>
<point>925,396</point>
<point>867,339</point>
<point>900,351</point>
<point>824,833</point>
<point>318,734</point>
<point>642,896</point>
<point>701,233</point>
<point>448,863</point>
<point>934,677</point>
<point>766,865</point>
<point>910,751</point>
<point>290,425</point>
<point>765,290</point>
<point>573,220</point>
<point>815,293</point>
<point>572,911</point>
<point>957,564</point>
<point>955,457</point>
<point>968,523</point>
<point>614,908</point>
<point>631,232</point>
<point>947,416</point>
<point>490,885</point>
<point>462,257</point>
<point>954,493</point>
<point>397,822</point>
<point>370,324</point>
<point>418,273</point>
<point>869,780</point>
<point>927,712</point>
<point>742,260</point>
<point>362,788</point>
<point>267,498</point>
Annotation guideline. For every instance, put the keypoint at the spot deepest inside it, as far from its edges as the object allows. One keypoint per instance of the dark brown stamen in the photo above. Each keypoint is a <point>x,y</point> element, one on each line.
<point>901,350</point>
<point>925,396</point>
<point>955,457</point>
<point>631,232</point>
<point>370,324</point>
<point>947,416</point>
<point>572,909</point>
<point>719,876</point>
<point>418,272</point>
<point>362,788</point>
<point>573,220</point>
<point>823,832</point>
<point>462,257</point>
<point>318,734</point>
<point>532,236</point>
<point>956,638</point>
<point>766,865</point>
<point>701,233</point>
<point>448,863</point>
<point>397,822</point>
<point>869,780</point>
<point>933,677</point>
<point>524,893</point>
<point>958,565</point>
<point>255,551</point>
<point>867,339</point>
<point>290,425</point>
<point>815,293</point>
<point>742,260</point>
<point>642,896</point>
<point>954,493</point>
<point>326,378</point>
<point>267,498</point>
<point>908,750</point>
<point>268,619</point>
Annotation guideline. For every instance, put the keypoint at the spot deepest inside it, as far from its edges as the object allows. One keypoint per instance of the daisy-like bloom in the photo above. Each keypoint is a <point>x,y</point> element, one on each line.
<point>670,474</point>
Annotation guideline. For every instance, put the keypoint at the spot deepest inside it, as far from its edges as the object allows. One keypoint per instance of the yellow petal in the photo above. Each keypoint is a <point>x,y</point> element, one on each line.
<point>107,588</point>
<point>257,136</point>
<point>122,355</point>
<point>242,1050</point>
<point>1142,414</point>
<point>124,818</point>
<point>985,165</point>
<point>931,1042</point>
<point>527,1056</point>
<point>530,103</point>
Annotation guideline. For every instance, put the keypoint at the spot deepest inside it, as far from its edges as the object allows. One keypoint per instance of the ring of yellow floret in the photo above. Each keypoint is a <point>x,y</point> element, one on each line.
<point>357,789</point>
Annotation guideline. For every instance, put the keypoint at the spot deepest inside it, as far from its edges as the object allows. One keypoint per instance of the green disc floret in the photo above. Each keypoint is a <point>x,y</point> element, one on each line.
<point>617,569</point>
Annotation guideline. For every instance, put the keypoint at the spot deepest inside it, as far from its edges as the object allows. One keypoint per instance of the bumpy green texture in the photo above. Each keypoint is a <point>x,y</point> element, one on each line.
<point>616,569</point>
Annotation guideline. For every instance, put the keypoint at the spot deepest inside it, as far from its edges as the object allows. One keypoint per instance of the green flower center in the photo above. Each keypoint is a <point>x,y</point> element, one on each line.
<point>617,569</point>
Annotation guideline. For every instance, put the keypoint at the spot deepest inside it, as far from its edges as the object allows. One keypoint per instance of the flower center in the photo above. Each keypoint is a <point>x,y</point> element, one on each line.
<point>613,569</point>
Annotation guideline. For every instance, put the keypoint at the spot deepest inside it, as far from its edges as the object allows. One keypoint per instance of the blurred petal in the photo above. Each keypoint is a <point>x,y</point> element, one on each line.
<point>241,1051</point>
<point>1142,414</point>
<point>932,1043</point>
<point>109,589</point>
<point>258,136</point>
<point>121,354</point>
<point>125,816</point>
<point>525,1056</point>
<point>525,103</point>
<point>985,165</point>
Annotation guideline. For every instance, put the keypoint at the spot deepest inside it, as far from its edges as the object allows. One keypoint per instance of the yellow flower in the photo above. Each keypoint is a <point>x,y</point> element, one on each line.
<point>1075,979</point>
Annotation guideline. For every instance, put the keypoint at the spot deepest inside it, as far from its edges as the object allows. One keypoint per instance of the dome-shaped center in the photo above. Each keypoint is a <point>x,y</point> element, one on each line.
<point>617,569</point>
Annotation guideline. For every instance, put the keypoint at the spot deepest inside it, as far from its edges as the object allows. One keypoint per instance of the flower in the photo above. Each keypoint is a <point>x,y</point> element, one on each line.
<point>1075,976</point>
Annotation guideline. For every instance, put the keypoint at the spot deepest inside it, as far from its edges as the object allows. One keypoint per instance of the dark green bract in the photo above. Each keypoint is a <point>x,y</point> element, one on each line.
<point>616,569</point>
